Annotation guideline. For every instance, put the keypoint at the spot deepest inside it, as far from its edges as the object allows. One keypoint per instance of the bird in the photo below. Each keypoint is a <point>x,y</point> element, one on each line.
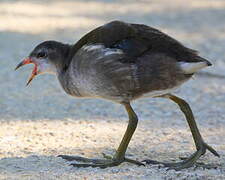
<point>123,62</point>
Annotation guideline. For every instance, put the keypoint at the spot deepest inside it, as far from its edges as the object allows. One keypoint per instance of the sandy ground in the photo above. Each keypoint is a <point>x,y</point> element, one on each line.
<point>39,122</point>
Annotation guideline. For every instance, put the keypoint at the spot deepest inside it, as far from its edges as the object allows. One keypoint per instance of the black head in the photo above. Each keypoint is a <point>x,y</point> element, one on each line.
<point>48,57</point>
<point>51,51</point>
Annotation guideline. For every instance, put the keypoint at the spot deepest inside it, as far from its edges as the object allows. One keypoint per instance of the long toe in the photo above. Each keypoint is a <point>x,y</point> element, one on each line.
<point>74,158</point>
<point>83,159</point>
<point>207,147</point>
<point>134,162</point>
<point>166,164</point>
<point>102,163</point>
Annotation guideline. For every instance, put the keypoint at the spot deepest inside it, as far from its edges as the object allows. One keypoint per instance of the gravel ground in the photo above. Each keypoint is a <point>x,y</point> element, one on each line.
<point>40,121</point>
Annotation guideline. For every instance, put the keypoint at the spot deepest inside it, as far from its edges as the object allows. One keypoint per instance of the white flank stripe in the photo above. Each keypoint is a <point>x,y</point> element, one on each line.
<point>92,47</point>
<point>112,51</point>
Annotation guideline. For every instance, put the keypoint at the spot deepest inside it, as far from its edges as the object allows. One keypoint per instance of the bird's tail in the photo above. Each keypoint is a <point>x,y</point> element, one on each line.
<point>192,67</point>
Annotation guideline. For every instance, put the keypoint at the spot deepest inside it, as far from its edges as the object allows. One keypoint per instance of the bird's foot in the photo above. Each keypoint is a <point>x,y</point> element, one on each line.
<point>201,164</point>
<point>102,163</point>
<point>188,162</point>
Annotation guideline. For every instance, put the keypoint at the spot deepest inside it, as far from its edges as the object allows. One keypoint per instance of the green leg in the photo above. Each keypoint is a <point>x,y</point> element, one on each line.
<point>119,156</point>
<point>133,120</point>
<point>201,146</point>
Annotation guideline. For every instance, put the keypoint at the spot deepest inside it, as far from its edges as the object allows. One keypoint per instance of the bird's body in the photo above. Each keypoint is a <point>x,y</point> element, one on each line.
<point>98,72</point>
<point>122,62</point>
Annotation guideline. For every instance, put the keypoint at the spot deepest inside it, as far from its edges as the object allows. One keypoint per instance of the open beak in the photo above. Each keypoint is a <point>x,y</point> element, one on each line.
<point>34,72</point>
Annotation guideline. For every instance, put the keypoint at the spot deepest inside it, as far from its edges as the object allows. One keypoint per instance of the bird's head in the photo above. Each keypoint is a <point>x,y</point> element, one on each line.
<point>47,57</point>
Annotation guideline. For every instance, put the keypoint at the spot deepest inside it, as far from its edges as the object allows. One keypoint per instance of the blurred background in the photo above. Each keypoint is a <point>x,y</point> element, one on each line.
<point>44,109</point>
<point>24,24</point>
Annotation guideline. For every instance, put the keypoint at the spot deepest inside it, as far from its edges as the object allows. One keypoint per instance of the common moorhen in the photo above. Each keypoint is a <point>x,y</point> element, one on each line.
<point>122,62</point>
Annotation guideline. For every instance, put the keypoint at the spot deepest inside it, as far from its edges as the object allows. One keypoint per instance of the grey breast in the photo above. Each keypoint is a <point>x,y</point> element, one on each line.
<point>96,71</point>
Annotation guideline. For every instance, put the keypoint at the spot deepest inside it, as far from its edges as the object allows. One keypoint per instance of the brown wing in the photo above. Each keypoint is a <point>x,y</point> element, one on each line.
<point>135,40</point>
<point>107,34</point>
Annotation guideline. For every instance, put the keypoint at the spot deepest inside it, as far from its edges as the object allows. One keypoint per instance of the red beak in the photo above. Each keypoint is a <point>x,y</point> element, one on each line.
<point>28,61</point>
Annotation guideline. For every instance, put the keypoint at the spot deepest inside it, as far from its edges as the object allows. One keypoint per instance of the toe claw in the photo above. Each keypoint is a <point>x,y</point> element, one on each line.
<point>102,163</point>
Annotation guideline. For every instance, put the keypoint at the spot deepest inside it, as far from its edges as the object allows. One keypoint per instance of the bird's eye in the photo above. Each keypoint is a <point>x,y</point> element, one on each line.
<point>41,54</point>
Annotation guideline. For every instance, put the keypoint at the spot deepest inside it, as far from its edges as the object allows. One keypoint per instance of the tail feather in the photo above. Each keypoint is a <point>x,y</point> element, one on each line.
<point>192,67</point>
<point>201,59</point>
